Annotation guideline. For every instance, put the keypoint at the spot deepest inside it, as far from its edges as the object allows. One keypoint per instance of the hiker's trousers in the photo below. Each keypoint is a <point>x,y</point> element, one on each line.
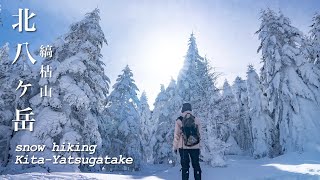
<point>186,155</point>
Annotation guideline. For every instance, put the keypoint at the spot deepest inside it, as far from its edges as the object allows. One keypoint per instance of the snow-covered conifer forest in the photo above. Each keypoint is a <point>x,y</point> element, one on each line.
<point>273,112</point>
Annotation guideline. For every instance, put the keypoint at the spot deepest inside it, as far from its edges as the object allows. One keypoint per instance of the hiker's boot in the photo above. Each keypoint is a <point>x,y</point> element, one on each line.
<point>197,174</point>
<point>185,174</point>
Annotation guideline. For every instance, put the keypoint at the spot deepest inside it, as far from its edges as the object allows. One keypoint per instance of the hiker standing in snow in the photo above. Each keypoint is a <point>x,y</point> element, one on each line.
<point>187,141</point>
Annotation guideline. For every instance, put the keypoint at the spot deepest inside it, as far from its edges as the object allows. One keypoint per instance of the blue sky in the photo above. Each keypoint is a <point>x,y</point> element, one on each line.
<point>151,35</point>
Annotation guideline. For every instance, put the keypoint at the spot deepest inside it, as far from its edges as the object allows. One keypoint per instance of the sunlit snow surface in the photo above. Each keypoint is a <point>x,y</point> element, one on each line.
<point>292,166</point>
<point>312,169</point>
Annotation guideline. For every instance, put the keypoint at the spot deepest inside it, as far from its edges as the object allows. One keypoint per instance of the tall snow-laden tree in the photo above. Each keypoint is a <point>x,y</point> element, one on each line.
<point>146,124</point>
<point>79,93</point>
<point>188,79</point>
<point>123,108</point>
<point>244,136</point>
<point>12,96</point>
<point>310,72</point>
<point>7,95</point>
<point>159,106</point>
<point>315,39</point>
<point>212,147</point>
<point>230,111</point>
<point>262,125</point>
<point>163,135</point>
<point>196,85</point>
<point>291,103</point>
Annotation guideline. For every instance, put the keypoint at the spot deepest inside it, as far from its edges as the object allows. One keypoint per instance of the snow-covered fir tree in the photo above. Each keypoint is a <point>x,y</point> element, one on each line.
<point>145,123</point>
<point>244,136</point>
<point>212,147</point>
<point>228,128</point>
<point>310,71</point>
<point>188,79</point>
<point>12,97</point>
<point>123,108</point>
<point>315,39</point>
<point>230,109</point>
<point>163,135</point>
<point>79,93</point>
<point>291,103</point>
<point>195,84</point>
<point>262,124</point>
<point>159,106</point>
<point>7,95</point>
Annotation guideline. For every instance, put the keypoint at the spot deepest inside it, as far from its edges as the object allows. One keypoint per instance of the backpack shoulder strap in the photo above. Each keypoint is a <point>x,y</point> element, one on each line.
<point>179,118</point>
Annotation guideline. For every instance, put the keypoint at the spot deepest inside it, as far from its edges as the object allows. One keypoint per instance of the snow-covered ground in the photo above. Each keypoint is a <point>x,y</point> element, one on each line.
<point>292,166</point>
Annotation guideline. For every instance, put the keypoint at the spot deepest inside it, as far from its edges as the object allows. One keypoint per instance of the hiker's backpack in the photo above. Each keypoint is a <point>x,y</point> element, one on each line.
<point>190,130</point>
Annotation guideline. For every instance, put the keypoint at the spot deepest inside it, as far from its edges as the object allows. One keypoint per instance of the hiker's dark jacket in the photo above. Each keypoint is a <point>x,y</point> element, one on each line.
<point>178,139</point>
